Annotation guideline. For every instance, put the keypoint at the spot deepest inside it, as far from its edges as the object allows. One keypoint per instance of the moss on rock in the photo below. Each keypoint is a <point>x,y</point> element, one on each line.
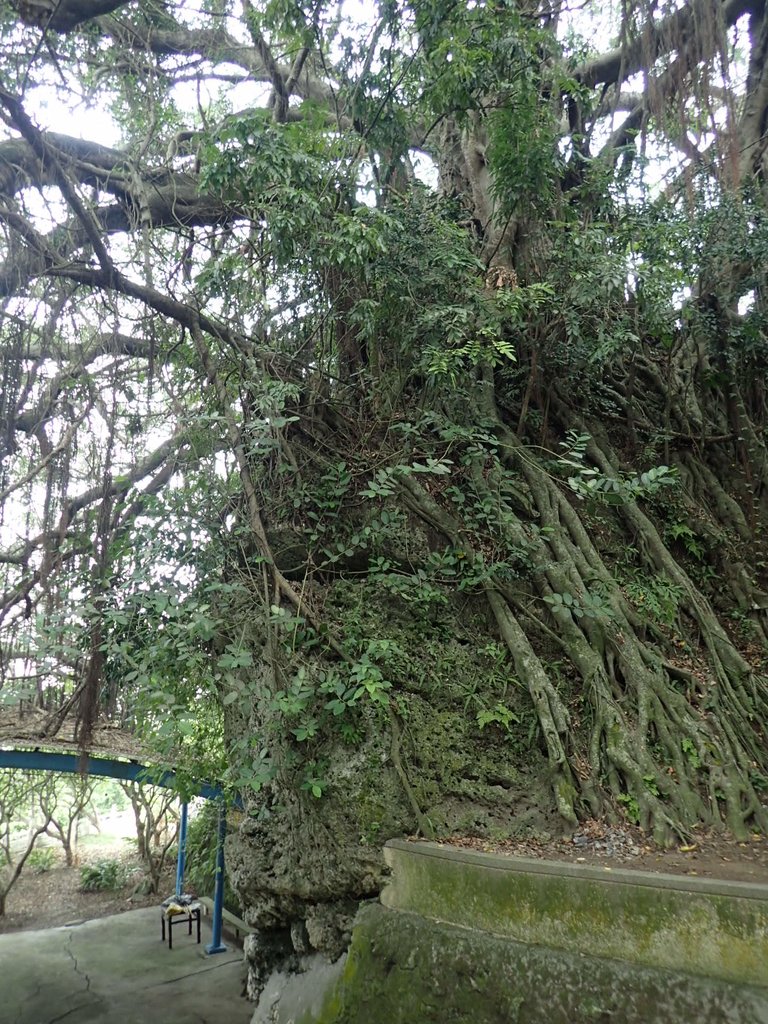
<point>402,969</point>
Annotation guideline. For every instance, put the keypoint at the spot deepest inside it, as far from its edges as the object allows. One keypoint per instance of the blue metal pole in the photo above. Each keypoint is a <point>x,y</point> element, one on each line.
<point>182,850</point>
<point>217,946</point>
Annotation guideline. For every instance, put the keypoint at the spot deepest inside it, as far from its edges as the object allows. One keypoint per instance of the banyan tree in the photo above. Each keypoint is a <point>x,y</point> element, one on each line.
<point>384,415</point>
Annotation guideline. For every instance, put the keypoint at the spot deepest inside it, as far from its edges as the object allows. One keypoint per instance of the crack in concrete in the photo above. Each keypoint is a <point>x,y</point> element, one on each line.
<point>32,995</point>
<point>28,999</point>
<point>60,989</point>
<point>73,958</point>
<point>63,1016</point>
<point>192,974</point>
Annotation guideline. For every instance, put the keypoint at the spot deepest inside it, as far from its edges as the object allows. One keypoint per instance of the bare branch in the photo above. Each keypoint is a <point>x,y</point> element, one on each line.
<point>120,485</point>
<point>35,471</point>
<point>279,99</point>
<point>219,47</point>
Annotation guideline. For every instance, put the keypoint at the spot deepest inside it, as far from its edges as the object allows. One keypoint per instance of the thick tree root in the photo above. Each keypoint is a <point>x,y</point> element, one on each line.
<point>673,749</point>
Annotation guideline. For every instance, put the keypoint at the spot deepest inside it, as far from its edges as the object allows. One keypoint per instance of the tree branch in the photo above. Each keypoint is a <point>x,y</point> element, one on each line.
<point>63,15</point>
<point>19,119</point>
<point>120,485</point>
<point>658,38</point>
<point>217,46</point>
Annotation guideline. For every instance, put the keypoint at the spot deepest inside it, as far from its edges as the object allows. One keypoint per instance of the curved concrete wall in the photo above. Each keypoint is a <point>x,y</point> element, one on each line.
<point>701,926</point>
<point>471,937</point>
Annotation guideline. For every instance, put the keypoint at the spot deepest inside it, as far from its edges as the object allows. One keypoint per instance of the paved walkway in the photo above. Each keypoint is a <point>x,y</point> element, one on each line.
<point>116,970</point>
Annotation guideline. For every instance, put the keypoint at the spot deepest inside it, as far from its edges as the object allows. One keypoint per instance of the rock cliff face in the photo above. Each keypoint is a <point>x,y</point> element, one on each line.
<point>301,877</point>
<point>302,864</point>
<point>475,683</point>
<point>466,936</point>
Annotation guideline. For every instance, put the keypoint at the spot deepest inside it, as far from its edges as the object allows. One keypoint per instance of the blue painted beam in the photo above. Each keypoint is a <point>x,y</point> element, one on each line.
<point>129,771</point>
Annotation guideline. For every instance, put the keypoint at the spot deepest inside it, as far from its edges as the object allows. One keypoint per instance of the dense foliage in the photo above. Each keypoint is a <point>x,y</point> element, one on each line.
<point>384,413</point>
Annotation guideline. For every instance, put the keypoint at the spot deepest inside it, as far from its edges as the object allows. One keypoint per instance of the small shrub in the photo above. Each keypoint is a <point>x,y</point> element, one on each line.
<point>42,860</point>
<point>202,843</point>
<point>103,876</point>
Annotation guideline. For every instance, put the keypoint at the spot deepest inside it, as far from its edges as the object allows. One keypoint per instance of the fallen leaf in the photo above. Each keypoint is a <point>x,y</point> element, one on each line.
<point>687,849</point>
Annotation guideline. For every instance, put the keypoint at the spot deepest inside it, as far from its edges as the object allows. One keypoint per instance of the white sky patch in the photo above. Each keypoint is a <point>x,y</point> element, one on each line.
<point>84,120</point>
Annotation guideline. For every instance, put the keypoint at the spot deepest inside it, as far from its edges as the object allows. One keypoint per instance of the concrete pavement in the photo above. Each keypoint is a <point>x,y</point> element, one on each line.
<point>116,970</point>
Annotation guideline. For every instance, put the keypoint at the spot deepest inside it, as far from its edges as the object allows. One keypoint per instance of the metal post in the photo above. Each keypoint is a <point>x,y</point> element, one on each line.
<point>182,850</point>
<point>217,946</point>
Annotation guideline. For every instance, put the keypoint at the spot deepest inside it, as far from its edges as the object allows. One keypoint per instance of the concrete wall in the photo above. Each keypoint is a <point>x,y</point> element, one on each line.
<point>467,937</point>
<point>701,926</point>
<point>405,969</point>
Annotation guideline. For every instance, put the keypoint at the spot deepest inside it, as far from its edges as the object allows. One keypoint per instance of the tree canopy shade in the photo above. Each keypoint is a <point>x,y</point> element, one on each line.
<point>383,412</point>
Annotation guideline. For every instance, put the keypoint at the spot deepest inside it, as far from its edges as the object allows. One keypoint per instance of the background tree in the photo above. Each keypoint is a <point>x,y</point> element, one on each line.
<point>406,377</point>
<point>157,826</point>
<point>17,800</point>
<point>64,801</point>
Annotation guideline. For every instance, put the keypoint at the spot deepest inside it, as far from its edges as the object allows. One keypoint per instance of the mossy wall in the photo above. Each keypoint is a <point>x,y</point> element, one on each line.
<point>472,938</point>
<point>405,969</point>
<point>700,926</point>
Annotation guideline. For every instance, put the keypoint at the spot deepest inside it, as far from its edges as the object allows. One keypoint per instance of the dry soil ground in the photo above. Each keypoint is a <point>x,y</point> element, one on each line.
<point>52,898</point>
<point>708,854</point>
